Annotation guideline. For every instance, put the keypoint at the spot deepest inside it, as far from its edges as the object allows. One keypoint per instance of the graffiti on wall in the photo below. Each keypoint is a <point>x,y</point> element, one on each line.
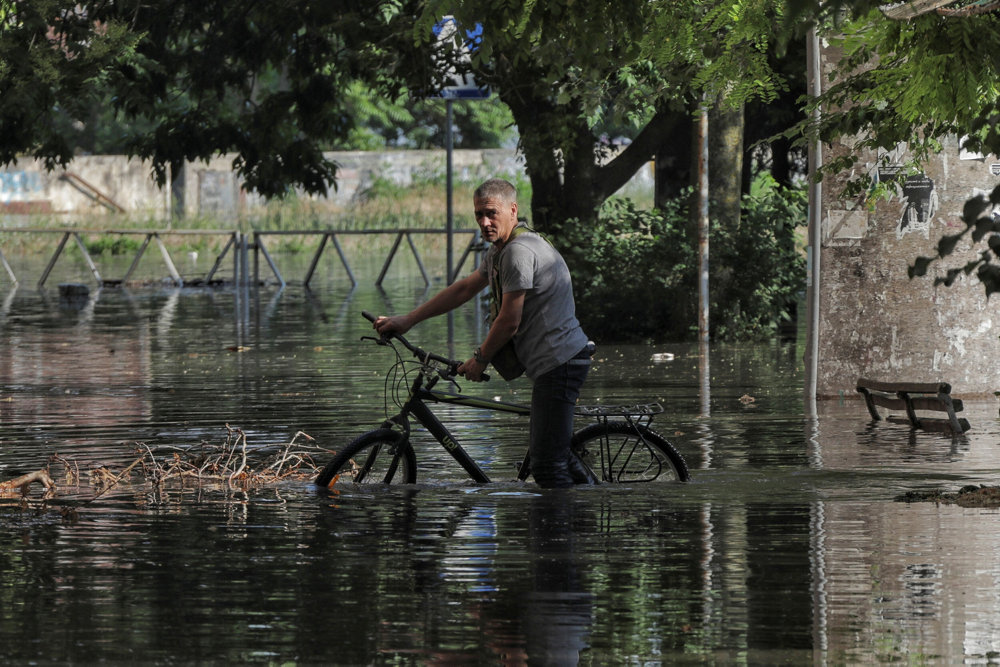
<point>20,185</point>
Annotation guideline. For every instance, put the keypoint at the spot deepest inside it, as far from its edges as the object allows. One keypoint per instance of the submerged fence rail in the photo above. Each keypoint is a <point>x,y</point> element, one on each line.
<point>241,244</point>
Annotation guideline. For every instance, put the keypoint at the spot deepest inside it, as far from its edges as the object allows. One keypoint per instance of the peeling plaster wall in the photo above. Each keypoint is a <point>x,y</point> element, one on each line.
<point>874,320</point>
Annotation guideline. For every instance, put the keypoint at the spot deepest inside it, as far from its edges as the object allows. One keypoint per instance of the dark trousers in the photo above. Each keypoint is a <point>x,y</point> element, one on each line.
<point>553,399</point>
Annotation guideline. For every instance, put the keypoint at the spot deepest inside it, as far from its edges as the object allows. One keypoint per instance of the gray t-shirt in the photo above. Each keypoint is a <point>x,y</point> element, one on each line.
<point>549,334</point>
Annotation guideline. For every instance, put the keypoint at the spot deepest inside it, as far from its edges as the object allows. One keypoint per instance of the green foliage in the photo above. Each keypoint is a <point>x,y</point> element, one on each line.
<point>573,72</point>
<point>757,270</point>
<point>414,121</point>
<point>277,82</point>
<point>53,63</point>
<point>911,83</point>
<point>719,49</point>
<point>635,272</point>
<point>113,245</point>
<point>268,81</point>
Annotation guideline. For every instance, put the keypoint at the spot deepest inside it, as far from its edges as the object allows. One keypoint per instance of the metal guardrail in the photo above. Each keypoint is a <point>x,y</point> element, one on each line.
<point>331,236</point>
<point>240,244</point>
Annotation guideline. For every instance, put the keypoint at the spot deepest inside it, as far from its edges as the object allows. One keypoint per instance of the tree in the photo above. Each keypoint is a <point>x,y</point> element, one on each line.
<point>267,80</point>
<point>565,68</point>
<point>275,82</point>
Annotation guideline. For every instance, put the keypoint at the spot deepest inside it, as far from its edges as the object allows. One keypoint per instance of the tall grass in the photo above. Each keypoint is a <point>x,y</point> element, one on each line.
<point>384,205</point>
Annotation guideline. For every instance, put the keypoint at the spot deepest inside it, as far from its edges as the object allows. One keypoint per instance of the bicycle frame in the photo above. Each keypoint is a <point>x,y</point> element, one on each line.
<point>632,422</point>
<point>416,406</point>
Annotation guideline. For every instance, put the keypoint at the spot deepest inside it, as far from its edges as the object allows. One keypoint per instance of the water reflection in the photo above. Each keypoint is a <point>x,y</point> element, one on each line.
<point>787,546</point>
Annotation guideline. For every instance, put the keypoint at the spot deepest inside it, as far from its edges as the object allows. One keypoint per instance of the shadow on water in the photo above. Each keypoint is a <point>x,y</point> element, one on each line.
<point>787,546</point>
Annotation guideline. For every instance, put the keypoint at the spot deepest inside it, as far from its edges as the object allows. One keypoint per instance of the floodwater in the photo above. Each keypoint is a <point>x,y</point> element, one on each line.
<point>788,545</point>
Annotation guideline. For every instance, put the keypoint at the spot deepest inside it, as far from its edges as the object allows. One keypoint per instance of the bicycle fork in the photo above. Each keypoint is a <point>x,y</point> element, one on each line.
<point>419,410</point>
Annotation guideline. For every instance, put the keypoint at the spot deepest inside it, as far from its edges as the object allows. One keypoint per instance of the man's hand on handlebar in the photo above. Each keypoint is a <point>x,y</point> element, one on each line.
<point>472,370</point>
<point>387,326</point>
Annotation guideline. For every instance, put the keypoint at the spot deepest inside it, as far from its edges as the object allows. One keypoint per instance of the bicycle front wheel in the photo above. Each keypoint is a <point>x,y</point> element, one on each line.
<point>622,453</point>
<point>379,457</point>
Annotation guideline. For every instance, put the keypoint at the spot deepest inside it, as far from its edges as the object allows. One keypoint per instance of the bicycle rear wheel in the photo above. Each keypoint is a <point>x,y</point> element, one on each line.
<point>378,457</point>
<point>624,453</point>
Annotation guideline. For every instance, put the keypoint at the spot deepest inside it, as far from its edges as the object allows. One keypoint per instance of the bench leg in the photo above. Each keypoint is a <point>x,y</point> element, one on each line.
<point>872,410</point>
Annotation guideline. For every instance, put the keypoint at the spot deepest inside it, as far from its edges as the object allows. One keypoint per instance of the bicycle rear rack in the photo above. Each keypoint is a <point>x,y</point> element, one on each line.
<point>638,410</point>
<point>640,413</point>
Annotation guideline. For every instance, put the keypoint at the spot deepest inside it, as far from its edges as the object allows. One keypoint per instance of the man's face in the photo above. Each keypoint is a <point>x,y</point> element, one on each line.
<point>496,218</point>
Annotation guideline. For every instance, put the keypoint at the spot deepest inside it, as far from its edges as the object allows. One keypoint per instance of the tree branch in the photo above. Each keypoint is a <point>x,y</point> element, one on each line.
<point>24,481</point>
<point>617,172</point>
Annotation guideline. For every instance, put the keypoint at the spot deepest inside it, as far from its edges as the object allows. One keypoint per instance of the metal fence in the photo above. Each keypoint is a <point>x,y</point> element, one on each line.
<point>240,245</point>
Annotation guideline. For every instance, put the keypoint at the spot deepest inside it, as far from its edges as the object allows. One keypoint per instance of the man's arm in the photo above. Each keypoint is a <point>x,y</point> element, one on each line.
<point>449,298</point>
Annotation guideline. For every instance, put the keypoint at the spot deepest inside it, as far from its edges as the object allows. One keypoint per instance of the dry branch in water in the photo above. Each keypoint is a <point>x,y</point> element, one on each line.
<point>23,482</point>
<point>232,465</point>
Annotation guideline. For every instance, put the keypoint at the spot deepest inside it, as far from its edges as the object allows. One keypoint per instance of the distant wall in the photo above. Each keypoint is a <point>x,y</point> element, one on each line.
<point>27,188</point>
<point>212,189</point>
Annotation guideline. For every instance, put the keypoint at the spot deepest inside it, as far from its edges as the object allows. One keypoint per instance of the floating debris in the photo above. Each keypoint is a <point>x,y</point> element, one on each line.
<point>968,496</point>
<point>233,465</point>
<point>23,483</point>
<point>662,356</point>
<point>747,399</point>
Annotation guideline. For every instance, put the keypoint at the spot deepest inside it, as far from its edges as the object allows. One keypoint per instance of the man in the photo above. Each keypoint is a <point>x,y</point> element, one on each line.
<point>534,292</point>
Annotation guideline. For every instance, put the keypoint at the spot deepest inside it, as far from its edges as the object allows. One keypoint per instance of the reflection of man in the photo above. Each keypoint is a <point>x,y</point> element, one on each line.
<point>536,311</point>
<point>557,615</point>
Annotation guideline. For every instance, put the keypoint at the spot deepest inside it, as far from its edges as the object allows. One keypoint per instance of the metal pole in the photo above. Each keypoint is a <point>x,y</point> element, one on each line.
<point>813,251</point>
<point>450,221</point>
<point>703,227</point>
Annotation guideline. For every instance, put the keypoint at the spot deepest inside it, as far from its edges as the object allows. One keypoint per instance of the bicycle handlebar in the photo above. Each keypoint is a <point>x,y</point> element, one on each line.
<point>421,353</point>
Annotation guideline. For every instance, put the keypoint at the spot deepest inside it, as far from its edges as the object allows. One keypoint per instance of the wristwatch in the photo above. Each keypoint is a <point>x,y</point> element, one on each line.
<point>478,356</point>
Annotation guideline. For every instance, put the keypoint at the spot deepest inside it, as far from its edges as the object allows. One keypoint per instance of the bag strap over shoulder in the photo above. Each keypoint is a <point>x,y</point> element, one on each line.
<point>496,290</point>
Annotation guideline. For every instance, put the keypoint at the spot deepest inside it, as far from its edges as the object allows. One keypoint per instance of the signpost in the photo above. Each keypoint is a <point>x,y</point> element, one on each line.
<point>463,87</point>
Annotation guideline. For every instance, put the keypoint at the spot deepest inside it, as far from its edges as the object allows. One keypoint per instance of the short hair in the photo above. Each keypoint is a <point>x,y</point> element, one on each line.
<point>496,188</point>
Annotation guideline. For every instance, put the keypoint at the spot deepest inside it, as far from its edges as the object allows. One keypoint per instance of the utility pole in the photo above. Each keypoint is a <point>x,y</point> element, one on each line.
<point>813,251</point>
<point>703,226</point>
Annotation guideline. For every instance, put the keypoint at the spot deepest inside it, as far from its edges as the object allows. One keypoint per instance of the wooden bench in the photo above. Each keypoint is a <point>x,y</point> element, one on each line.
<point>910,397</point>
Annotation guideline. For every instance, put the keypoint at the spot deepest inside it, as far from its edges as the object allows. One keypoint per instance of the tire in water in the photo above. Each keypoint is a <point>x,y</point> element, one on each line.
<point>622,453</point>
<point>378,457</point>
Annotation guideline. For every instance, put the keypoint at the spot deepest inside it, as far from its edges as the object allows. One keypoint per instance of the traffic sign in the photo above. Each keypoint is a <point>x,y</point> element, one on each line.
<point>460,86</point>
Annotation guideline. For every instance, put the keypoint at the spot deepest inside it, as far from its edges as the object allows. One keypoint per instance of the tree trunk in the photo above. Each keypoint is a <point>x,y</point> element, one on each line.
<point>725,164</point>
<point>674,164</point>
<point>725,185</point>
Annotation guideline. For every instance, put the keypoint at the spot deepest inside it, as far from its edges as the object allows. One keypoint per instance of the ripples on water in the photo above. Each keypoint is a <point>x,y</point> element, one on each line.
<point>787,546</point>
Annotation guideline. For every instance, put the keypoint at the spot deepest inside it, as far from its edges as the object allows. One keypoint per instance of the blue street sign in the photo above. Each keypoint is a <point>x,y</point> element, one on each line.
<point>460,86</point>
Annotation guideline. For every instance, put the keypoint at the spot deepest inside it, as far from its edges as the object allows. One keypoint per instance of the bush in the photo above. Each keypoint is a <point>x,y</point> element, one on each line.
<point>632,272</point>
<point>635,271</point>
<point>758,270</point>
<point>113,245</point>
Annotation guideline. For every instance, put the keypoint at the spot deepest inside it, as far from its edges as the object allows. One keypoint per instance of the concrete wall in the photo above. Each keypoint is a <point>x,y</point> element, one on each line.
<point>212,189</point>
<point>79,189</point>
<point>874,320</point>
